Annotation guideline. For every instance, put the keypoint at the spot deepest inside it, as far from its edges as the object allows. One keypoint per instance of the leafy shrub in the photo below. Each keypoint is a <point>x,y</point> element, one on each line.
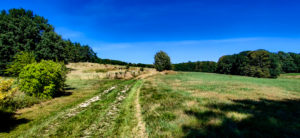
<point>6,90</point>
<point>162,61</point>
<point>20,60</point>
<point>45,79</point>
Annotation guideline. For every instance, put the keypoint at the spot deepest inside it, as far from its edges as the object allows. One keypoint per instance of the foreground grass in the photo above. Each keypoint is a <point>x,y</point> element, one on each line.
<point>92,106</point>
<point>214,105</point>
<point>31,121</point>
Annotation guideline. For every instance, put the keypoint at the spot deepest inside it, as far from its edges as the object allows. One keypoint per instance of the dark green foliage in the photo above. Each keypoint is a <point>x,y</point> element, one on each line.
<point>206,66</point>
<point>79,53</point>
<point>162,61</point>
<point>287,62</point>
<point>50,47</point>
<point>44,79</point>
<point>259,63</point>
<point>188,66</point>
<point>117,62</point>
<point>21,30</point>
<point>296,58</point>
<point>225,64</point>
<point>20,60</point>
<point>274,65</point>
<point>199,66</point>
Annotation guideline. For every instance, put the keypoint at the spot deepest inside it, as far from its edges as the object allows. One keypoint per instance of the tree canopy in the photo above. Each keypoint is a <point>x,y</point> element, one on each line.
<point>162,61</point>
<point>259,63</point>
<point>199,66</point>
<point>21,30</point>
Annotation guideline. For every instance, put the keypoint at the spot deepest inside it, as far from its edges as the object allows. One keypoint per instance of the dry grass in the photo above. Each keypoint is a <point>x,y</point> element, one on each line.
<point>89,71</point>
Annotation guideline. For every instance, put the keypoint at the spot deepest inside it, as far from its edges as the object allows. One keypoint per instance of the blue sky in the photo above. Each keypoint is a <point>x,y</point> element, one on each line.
<point>188,30</point>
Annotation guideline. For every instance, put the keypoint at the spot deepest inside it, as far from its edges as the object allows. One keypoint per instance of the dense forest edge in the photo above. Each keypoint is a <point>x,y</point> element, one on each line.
<point>22,30</point>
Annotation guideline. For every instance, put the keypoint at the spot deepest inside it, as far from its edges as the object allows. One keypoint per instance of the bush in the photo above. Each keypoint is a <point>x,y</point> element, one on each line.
<point>162,61</point>
<point>6,90</point>
<point>20,61</point>
<point>45,79</point>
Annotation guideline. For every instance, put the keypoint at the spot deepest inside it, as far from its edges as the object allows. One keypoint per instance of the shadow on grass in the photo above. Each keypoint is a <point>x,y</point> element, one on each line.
<point>67,91</point>
<point>68,87</point>
<point>267,118</point>
<point>9,122</point>
<point>64,93</point>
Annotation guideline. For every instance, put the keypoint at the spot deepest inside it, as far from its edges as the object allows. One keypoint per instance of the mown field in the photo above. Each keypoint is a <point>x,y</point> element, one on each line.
<point>214,105</point>
<point>164,105</point>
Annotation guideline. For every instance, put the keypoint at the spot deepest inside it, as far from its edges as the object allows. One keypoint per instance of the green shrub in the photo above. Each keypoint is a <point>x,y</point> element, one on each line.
<point>6,90</point>
<point>45,79</point>
<point>20,60</point>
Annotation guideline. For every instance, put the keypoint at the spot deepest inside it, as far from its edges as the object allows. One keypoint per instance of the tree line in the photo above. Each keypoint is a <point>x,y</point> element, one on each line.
<point>258,63</point>
<point>198,66</point>
<point>21,30</point>
<point>118,62</point>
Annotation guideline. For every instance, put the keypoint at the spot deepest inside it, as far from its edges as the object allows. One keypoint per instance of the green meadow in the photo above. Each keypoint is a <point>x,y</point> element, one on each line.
<point>214,105</point>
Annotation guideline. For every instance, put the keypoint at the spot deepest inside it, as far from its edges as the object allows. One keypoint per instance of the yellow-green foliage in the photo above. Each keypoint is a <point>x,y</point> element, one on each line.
<point>44,79</point>
<point>6,90</point>
<point>20,61</point>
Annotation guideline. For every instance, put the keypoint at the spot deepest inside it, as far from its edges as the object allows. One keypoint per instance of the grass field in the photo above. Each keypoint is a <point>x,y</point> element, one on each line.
<point>214,105</point>
<point>89,107</point>
<point>164,105</point>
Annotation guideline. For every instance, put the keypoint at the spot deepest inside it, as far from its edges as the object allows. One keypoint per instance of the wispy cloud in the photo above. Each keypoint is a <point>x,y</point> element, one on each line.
<point>68,33</point>
<point>161,44</point>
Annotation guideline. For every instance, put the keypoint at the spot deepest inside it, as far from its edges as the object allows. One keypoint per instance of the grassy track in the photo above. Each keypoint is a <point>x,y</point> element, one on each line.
<point>52,119</point>
<point>214,105</point>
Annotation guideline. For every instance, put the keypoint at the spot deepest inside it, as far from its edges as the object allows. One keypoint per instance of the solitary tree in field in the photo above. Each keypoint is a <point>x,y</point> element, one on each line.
<point>162,61</point>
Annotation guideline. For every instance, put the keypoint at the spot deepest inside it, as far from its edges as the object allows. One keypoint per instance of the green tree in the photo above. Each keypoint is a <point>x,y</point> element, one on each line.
<point>259,63</point>
<point>20,61</point>
<point>50,47</point>
<point>162,61</point>
<point>275,67</point>
<point>296,58</point>
<point>21,30</point>
<point>225,63</point>
<point>287,62</point>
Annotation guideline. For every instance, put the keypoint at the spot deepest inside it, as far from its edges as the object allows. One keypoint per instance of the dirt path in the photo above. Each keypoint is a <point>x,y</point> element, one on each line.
<point>150,73</point>
<point>141,128</point>
<point>53,124</point>
<point>102,125</point>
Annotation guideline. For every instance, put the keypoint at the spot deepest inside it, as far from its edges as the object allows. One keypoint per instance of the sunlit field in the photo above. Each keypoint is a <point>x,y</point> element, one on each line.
<point>214,105</point>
